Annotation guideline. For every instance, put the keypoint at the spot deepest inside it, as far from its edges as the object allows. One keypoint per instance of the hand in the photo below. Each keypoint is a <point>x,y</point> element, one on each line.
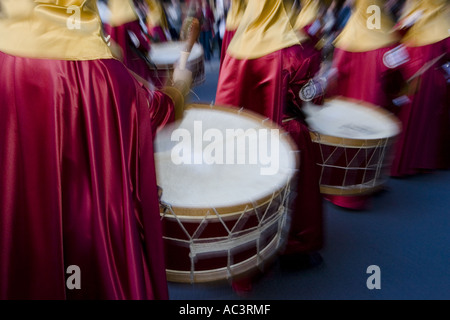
<point>182,79</point>
<point>160,192</point>
<point>116,50</point>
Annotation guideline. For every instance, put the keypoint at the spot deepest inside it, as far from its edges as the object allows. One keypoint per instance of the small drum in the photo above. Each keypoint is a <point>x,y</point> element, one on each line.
<point>353,141</point>
<point>166,54</point>
<point>225,175</point>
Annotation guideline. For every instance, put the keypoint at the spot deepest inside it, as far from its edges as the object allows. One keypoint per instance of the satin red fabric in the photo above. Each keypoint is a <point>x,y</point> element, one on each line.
<point>131,58</point>
<point>77,182</point>
<point>424,143</point>
<point>163,111</point>
<point>363,76</point>
<point>269,86</point>
<point>157,33</point>
<point>227,37</point>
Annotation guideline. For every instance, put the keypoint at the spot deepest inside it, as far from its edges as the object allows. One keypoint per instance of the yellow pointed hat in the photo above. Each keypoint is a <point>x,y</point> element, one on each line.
<point>58,29</point>
<point>235,14</point>
<point>433,24</point>
<point>369,28</point>
<point>156,16</point>
<point>292,8</point>
<point>308,13</point>
<point>265,28</point>
<point>122,11</point>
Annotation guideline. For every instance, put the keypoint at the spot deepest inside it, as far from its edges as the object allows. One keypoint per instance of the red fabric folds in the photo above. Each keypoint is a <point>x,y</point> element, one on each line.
<point>269,86</point>
<point>163,111</point>
<point>157,33</point>
<point>77,182</point>
<point>424,143</point>
<point>227,37</point>
<point>363,76</point>
<point>133,56</point>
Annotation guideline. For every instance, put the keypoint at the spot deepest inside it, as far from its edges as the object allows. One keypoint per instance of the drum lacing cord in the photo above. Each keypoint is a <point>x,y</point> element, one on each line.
<point>381,164</point>
<point>230,243</point>
<point>265,120</point>
<point>237,238</point>
<point>341,148</point>
<point>168,208</point>
<point>195,94</point>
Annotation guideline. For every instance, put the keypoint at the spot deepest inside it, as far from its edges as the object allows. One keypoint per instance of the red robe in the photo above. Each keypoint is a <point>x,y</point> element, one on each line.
<point>269,86</point>
<point>164,112</point>
<point>363,76</point>
<point>227,37</point>
<point>158,34</point>
<point>131,58</point>
<point>424,143</point>
<point>77,182</point>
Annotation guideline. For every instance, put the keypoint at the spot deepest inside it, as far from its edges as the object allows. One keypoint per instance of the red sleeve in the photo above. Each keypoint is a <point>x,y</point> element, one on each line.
<point>302,65</point>
<point>161,108</point>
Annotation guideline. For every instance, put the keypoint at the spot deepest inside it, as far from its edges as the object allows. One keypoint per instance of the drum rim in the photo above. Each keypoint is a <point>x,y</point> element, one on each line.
<point>196,214</point>
<point>326,139</point>
<point>200,212</point>
<point>357,189</point>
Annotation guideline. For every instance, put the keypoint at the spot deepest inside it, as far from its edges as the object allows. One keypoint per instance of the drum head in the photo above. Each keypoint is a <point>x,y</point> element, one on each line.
<point>222,157</point>
<point>349,119</point>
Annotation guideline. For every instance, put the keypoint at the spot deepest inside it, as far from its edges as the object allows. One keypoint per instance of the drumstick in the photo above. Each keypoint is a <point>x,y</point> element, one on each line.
<point>412,84</point>
<point>193,32</point>
<point>407,22</point>
<point>425,67</point>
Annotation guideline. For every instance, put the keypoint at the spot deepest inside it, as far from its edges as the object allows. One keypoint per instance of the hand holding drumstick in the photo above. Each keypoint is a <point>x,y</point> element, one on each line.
<point>182,77</point>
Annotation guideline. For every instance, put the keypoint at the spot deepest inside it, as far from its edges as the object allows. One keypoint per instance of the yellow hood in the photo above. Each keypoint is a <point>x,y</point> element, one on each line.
<point>265,28</point>
<point>433,25</point>
<point>58,29</point>
<point>361,33</point>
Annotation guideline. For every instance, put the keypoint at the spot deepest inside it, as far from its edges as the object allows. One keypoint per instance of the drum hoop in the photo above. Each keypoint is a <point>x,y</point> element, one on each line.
<point>265,256</point>
<point>317,137</point>
<point>349,142</point>
<point>199,213</point>
<point>354,190</point>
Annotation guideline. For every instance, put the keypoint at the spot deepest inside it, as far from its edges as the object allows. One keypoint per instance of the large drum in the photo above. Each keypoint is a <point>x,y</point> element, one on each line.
<point>166,54</point>
<point>225,176</point>
<point>354,142</point>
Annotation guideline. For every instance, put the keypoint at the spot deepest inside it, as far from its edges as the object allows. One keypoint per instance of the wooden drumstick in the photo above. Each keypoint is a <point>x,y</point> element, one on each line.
<point>193,33</point>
